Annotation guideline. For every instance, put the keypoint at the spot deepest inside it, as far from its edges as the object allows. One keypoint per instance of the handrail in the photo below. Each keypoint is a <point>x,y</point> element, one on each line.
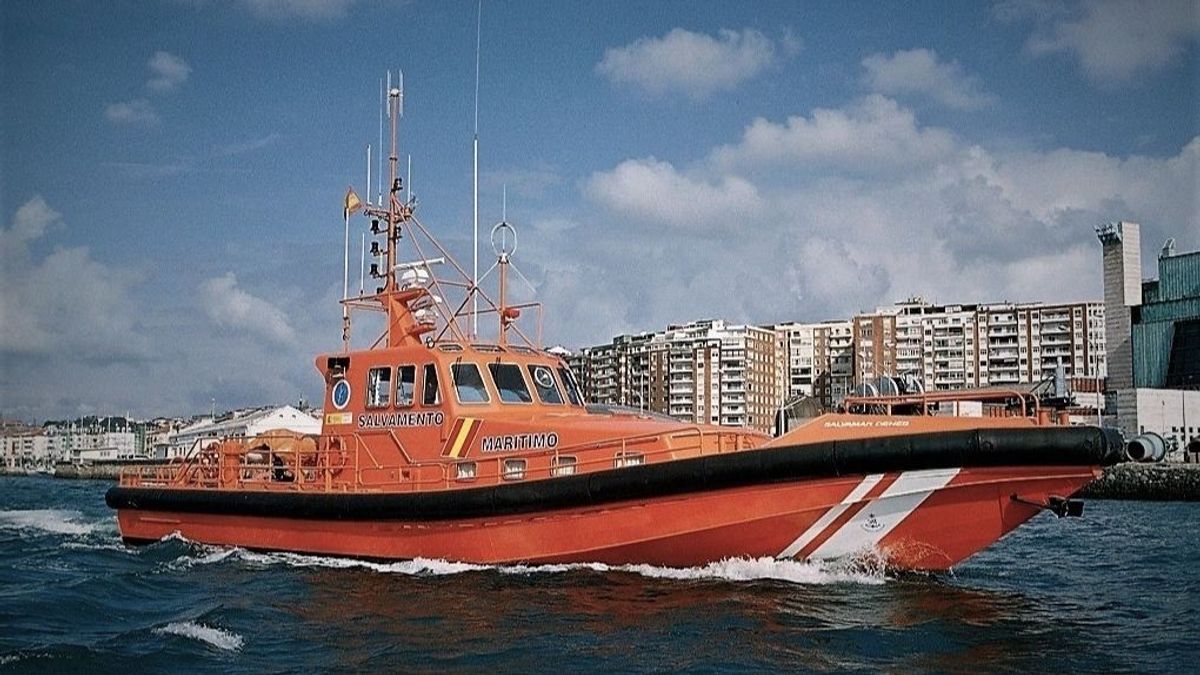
<point>319,469</point>
<point>924,398</point>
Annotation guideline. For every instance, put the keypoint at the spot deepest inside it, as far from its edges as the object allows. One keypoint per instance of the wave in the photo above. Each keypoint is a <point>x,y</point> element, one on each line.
<point>221,639</point>
<point>55,521</point>
<point>859,570</point>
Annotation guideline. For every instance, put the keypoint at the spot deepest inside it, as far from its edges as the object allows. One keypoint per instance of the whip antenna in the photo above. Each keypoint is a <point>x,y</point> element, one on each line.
<point>475,186</point>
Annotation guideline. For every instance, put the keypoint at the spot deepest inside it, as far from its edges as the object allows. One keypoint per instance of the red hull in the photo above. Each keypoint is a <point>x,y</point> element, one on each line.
<point>921,520</point>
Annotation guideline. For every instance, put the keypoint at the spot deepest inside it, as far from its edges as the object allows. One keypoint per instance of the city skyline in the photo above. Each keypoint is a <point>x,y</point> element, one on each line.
<point>173,171</point>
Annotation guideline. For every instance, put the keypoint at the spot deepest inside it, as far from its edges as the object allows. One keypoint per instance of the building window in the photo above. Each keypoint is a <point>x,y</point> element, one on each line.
<point>514,469</point>
<point>509,383</point>
<point>468,383</point>
<point>431,394</point>
<point>464,471</point>
<point>563,465</point>
<point>406,385</point>
<point>379,387</point>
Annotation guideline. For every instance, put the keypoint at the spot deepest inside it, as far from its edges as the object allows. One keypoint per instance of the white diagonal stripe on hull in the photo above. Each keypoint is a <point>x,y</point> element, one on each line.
<point>870,525</point>
<point>836,510</point>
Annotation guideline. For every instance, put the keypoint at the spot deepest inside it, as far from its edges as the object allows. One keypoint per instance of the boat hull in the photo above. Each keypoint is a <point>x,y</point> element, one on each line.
<point>927,519</point>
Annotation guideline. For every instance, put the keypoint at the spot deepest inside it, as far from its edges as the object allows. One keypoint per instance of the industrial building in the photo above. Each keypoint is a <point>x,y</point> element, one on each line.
<point>1154,339</point>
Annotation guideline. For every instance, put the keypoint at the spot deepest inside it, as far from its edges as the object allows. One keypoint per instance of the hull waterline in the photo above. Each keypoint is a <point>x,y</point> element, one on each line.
<point>928,519</point>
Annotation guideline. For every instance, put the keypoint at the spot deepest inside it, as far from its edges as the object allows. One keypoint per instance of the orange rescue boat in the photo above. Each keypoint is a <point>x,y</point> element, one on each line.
<point>438,444</point>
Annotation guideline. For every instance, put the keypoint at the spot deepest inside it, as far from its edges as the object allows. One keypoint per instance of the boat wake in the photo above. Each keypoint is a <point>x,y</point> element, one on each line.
<point>863,569</point>
<point>216,637</point>
<point>54,521</point>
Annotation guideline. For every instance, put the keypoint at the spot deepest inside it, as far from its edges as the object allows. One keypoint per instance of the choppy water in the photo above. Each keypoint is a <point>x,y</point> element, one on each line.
<point>1115,591</point>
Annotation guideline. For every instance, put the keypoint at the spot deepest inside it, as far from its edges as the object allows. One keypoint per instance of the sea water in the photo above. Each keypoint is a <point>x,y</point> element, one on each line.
<point>1118,590</point>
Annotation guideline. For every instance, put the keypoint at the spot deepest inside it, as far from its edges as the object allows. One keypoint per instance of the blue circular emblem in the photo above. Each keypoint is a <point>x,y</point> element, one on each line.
<point>341,394</point>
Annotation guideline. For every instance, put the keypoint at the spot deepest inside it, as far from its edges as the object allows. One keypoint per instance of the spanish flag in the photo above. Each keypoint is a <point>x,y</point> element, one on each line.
<point>352,203</point>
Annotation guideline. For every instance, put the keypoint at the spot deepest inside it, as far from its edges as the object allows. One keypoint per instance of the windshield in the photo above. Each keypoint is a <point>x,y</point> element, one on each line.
<point>468,383</point>
<point>510,384</point>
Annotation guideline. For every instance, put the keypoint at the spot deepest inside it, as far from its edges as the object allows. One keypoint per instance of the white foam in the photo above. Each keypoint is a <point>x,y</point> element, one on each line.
<point>221,639</point>
<point>98,546</point>
<point>209,555</point>
<point>416,566</point>
<point>730,569</point>
<point>55,521</point>
<point>858,571</point>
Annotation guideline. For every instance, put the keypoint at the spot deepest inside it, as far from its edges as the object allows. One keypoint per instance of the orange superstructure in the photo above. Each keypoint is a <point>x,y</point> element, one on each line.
<point>438,443</point>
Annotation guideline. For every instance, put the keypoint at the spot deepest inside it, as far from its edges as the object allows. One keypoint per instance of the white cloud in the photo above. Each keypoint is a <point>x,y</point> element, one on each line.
<point>313,10</point>
<point>918,71</point>
<point>1114,40</point>
<point>652,190</point>
<point>66,304</point>
<point>233,308</point>
<point>792,228</point>
<point>871,135</point>
<point>31,220</point>
<point>169,72</point>
<point>695,64</point>
<point>137,111</point>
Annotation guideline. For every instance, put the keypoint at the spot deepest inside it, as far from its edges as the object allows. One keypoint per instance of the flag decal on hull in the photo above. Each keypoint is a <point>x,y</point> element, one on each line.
<point>461,436</point>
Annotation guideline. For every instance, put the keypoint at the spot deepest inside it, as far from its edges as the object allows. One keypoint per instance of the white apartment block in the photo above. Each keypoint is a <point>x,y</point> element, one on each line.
<point>705,372</point>
<point>958,346</point>
<point>818,360</point>
<point>737,375</point>
<point>26,449</point>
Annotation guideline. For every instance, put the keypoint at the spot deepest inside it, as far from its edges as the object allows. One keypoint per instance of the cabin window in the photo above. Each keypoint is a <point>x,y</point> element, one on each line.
<point>624,459</point>
<point>468,383</point>
<point>509,383</point>
<point>379,387</point>
<point>406,385</point>
<point>572,388</point>
<point>430,395</point>
<point>464,471</point>
<point>514,469</point>
<point>563,465</point>
<point>543,381</point>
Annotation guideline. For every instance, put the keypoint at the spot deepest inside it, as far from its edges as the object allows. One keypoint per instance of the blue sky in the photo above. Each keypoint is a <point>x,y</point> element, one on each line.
<point>172,171</point>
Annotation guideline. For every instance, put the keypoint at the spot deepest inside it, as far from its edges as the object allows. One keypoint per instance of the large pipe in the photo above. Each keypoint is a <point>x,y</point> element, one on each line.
<point>1148,447</point>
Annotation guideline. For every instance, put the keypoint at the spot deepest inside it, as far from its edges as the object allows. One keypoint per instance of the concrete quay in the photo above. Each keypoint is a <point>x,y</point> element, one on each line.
<point>1166,481</point>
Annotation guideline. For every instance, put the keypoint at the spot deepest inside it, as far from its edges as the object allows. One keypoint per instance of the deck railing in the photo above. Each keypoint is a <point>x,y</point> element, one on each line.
<point>346,463</point>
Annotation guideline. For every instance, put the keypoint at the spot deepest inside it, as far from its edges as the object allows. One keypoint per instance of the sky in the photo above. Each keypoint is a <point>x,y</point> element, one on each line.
<point>172,171</point>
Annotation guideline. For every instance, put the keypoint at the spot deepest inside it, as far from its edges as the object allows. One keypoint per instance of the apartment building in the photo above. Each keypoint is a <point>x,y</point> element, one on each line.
<point>25,448</point>
<point>739,375</point>
<point>817,360</point>
<point>704,372</point>
<point>958,346</point>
